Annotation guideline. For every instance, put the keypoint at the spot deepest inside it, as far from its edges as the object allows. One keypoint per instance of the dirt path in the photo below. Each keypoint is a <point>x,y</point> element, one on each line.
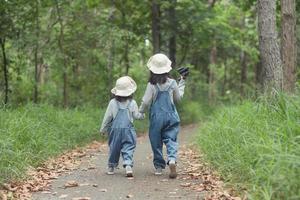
<point>95,184</point>
<point>195,180</point>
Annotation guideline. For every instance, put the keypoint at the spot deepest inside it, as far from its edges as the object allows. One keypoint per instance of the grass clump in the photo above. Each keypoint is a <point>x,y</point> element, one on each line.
<point>257,145</point>
<point>31,134</point>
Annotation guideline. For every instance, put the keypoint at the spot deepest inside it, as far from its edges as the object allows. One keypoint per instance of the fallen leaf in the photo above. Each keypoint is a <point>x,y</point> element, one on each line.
<point>3,196</point>
<point>91,167</point>
<point>71,184</point>
<point>185,184</point>
<point>46,192</point>
<point>84,184</point>
<point>81,198</point>
<point>63,196</point>
<point>175,197</point>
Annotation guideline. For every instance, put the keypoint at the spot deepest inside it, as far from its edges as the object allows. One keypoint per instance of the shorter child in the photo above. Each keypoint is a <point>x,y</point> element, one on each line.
<point>118,123</point>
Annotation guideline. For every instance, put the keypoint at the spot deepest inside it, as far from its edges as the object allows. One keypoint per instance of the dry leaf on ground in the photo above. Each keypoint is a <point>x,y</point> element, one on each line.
<point>129,196</point>
<point>71,184</point>
<point>81,198</point>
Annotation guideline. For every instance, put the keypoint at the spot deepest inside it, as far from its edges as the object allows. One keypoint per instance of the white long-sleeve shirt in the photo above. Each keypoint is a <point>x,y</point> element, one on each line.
<point>112,110</point>
<point>176,92</point>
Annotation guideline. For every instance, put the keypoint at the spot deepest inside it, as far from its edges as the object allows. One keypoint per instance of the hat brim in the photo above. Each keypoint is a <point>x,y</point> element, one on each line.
<point>123,93</point>
<point>163,70</point>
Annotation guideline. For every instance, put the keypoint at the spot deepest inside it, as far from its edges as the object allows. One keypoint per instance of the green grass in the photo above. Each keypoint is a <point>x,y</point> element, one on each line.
<point>257,145</point>
<point>31,134</point>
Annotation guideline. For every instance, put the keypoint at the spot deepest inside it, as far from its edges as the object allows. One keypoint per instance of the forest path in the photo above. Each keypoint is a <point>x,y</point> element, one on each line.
<point>95,184</point>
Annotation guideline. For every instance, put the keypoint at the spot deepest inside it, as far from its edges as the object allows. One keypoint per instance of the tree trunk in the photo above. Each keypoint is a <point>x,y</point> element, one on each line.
<point>111,54</point>
<point>212,82</point>
<point>212,64</point>
<point>126,43</point>
<point>211,3</point>
<point>243,73</point>
<point>173,28</point>
<point>155,26</point>
<point>5,70</point>
<point>36,49</point>
<point>268,46</point>
<point>288,43</point>
<point>258,76</point>
<point>61,48</point>
<point>126,57</point>
<point>224,80</point>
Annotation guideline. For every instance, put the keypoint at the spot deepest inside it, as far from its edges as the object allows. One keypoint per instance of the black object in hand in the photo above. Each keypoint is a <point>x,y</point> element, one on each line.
<point>184,71</point>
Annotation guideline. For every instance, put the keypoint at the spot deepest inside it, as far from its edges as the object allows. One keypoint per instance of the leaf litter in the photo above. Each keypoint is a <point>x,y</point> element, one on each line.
<point>197,176</point>
<point>40,178</point>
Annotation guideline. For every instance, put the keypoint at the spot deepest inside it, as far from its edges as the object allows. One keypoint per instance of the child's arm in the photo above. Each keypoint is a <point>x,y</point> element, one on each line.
<point>179,90</point>
<point>147,99</point>
<point>108,117</point>
<point>135,113</point>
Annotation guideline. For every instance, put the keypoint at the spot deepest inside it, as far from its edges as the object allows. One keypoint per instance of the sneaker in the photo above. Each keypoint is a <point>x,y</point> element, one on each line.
<point>172,166</point>
<point>158,171</point>
<point>129,172</point>
<point>110,171</point>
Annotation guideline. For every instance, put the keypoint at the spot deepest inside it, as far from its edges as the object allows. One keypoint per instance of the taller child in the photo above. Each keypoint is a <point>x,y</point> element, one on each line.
<point>160,95</point>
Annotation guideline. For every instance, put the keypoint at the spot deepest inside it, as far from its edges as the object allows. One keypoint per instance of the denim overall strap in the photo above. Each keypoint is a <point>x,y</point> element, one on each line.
<point>122,119</point>
<point>122,138</point>
<point>164,127</point>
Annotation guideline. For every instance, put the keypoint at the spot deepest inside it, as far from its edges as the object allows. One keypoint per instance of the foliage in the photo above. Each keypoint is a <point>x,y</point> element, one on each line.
<point>256,145</point>
<point>91,26</point>
<point>31,134</point>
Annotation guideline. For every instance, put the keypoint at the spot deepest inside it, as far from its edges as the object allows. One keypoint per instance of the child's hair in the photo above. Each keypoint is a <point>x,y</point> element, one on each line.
<point>158,78</point>
<point>123,99</point>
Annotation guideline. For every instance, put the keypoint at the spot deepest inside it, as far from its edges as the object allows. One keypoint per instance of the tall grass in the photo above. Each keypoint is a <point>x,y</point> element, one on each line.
<point>257,146</point>
<point>31,134</point>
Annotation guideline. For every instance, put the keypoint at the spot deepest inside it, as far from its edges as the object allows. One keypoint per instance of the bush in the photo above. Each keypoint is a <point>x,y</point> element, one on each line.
<point>257,145</point>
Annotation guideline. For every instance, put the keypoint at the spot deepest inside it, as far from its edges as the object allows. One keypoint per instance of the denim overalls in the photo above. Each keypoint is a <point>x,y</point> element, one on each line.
<point>164,127</point>
<point>122,138</point>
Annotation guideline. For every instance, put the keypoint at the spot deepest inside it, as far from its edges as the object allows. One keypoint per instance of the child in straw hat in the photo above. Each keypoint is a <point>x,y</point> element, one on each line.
<point>118,123</point>
<point>160,95</point>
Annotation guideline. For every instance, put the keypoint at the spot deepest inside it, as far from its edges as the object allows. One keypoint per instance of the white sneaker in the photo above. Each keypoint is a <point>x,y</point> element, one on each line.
<point>129,172</point>
<point>110,171</point>
<point>172,166</point>
<point>158,171</point>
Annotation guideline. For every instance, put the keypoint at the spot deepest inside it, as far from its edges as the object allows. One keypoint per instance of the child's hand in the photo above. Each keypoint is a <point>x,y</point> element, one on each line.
<point>102,133</point>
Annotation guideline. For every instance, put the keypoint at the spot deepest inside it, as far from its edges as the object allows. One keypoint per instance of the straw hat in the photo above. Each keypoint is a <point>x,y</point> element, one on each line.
<point>125,86</point>
<point>159,64</point>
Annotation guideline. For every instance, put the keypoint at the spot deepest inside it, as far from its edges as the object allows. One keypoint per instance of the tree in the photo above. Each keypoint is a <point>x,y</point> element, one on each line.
<point>173,31</point>
<point>111,54</point>
<point>5,69</point>
<point>36,51</point>
<point>156,36</point>
<point>61,41</point>
<point>289,43</point>
<point>268,46</point>
<point>213,63</point>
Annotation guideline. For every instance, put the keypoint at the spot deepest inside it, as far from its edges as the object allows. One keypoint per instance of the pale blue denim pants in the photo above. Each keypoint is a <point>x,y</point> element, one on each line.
<point>164,128</point>
<point>122,139</point>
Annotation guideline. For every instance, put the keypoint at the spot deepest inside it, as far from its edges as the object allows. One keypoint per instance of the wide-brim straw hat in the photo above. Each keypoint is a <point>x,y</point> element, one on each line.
<point>159,64</point>
<point>125,86</point>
